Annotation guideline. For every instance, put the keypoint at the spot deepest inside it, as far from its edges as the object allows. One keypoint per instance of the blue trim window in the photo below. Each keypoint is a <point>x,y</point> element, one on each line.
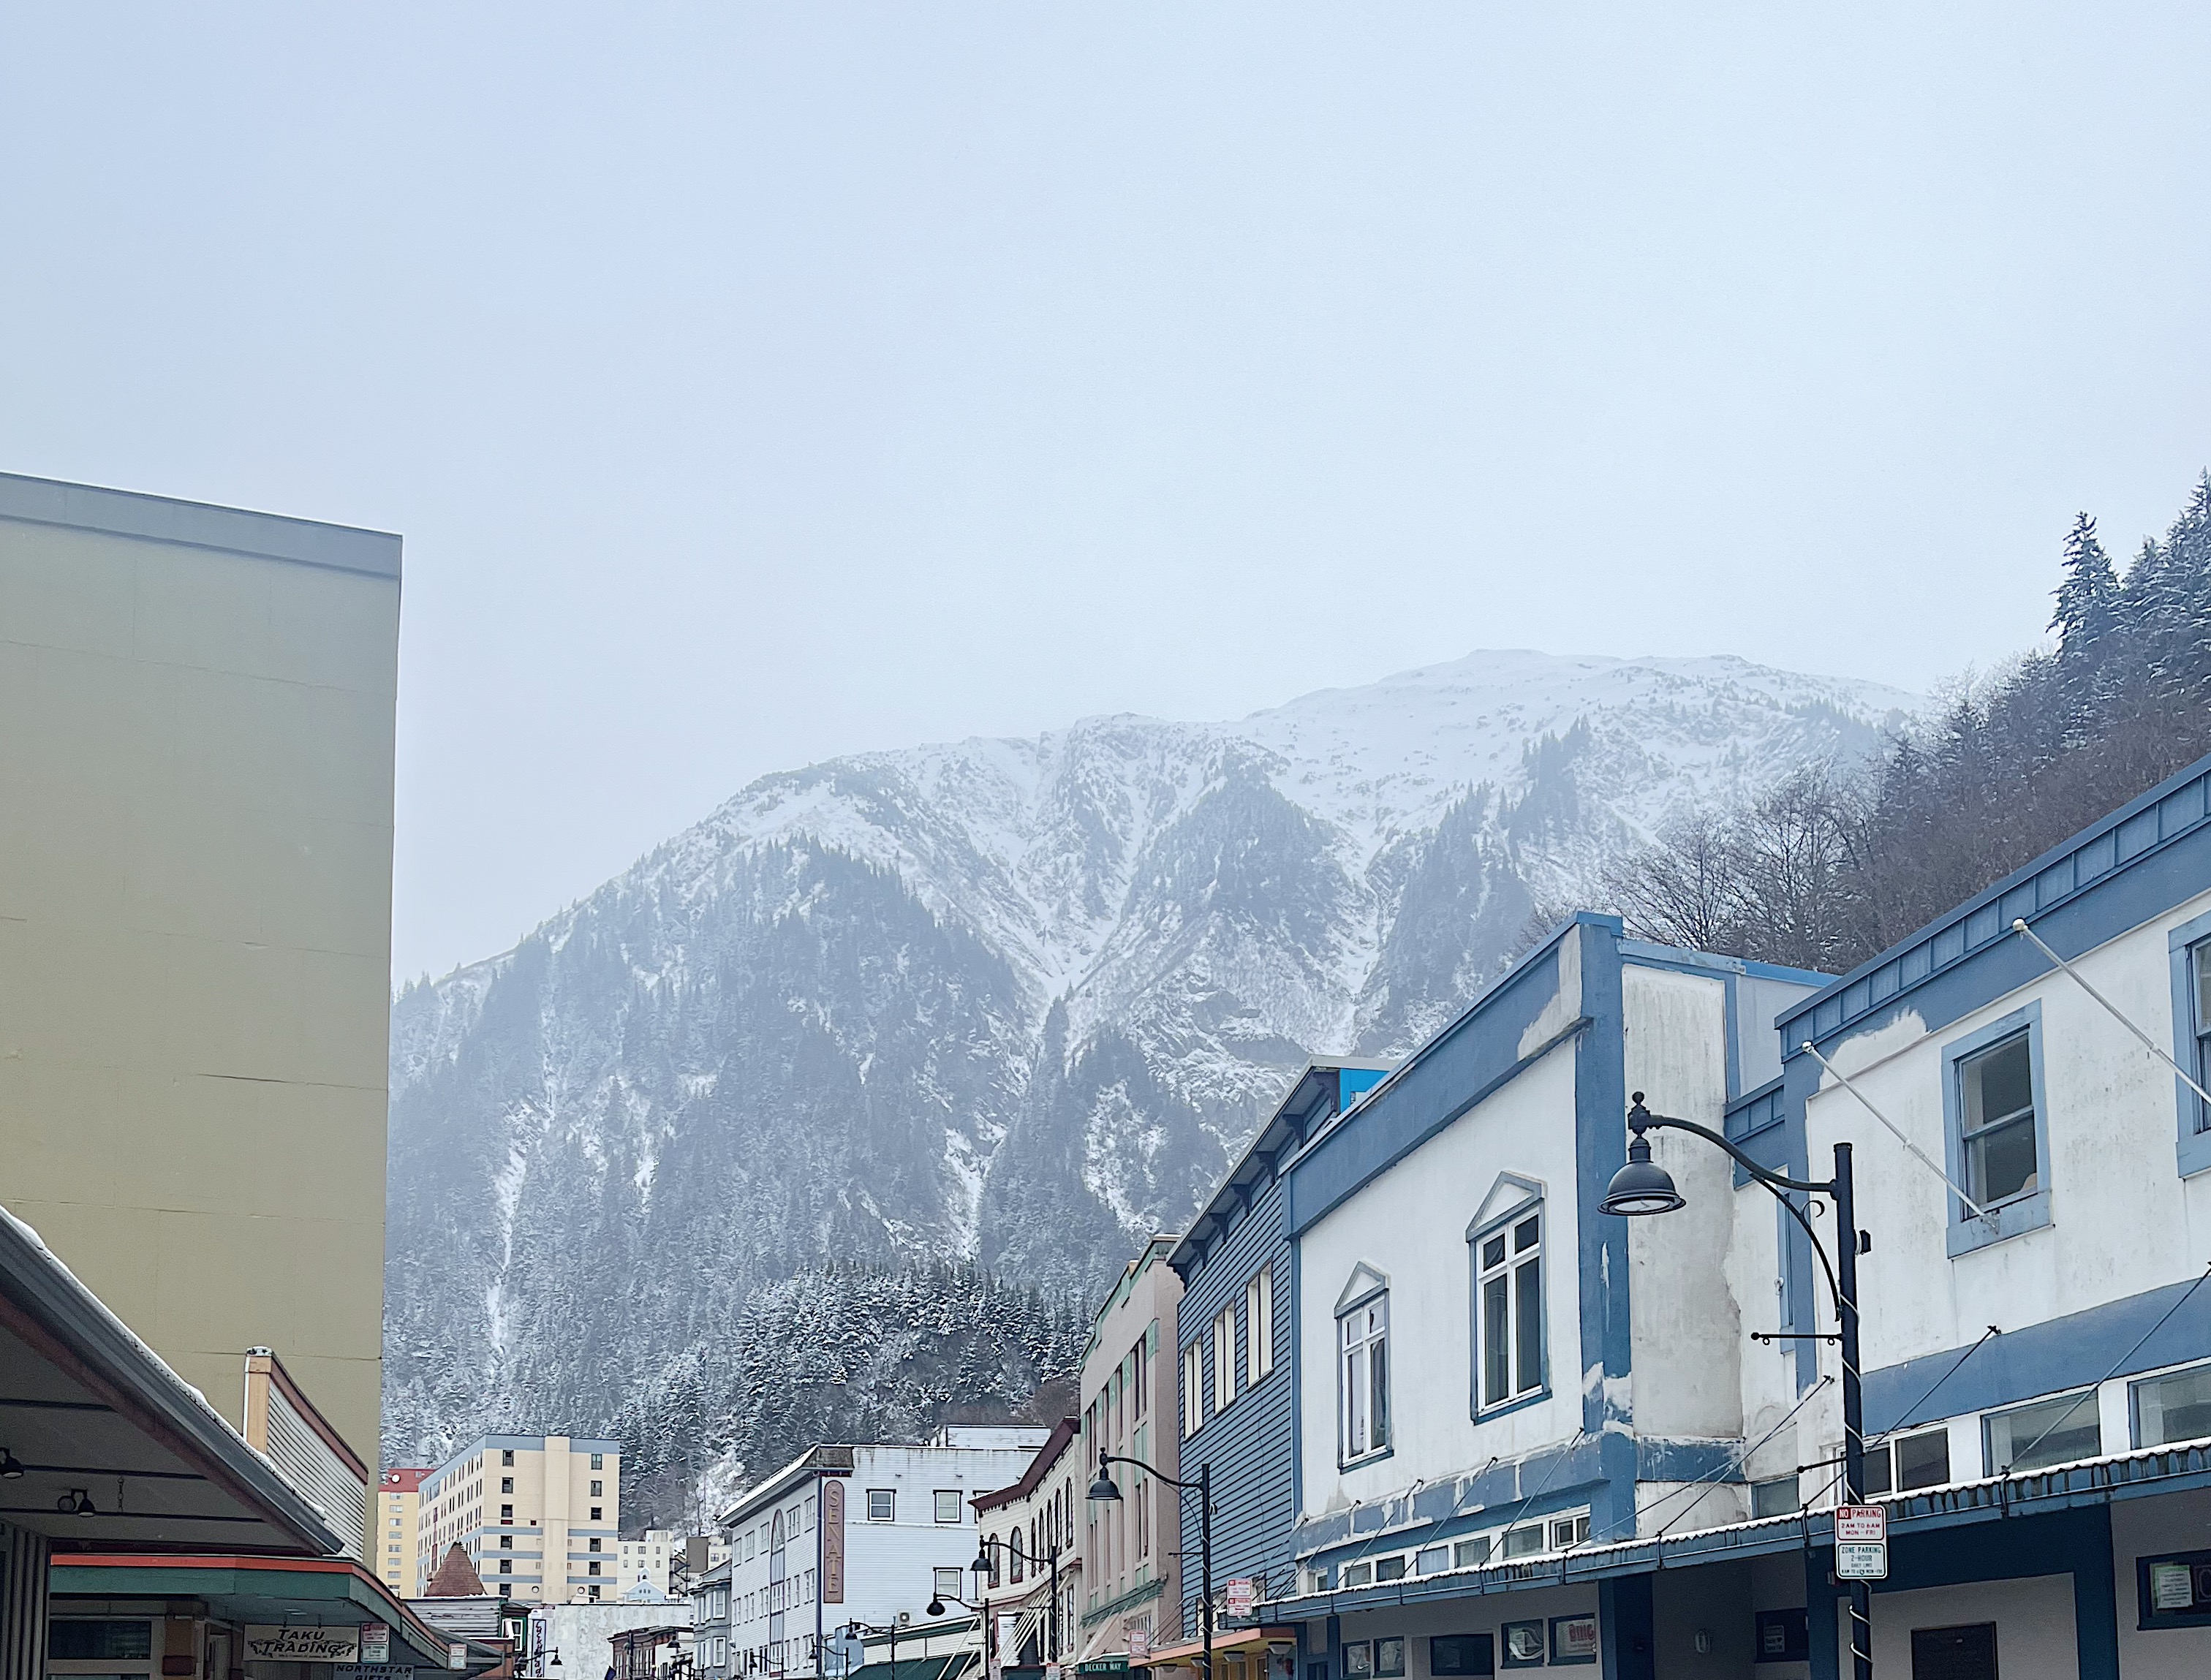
<point>2176,1406</point>
<point>2191,946</point>
<point>1363,1375</point>
<point>1998,1129</point>
<point>1508,1296</point>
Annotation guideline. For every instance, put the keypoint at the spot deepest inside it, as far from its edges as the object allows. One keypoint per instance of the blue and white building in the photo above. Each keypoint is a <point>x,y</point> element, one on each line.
<point>1234,1334</point>
<point>1524,1433</point>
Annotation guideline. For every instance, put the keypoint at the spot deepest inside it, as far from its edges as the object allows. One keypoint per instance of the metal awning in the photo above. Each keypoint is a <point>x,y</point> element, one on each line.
<point>105,1445</point>
<point>1225,1640</point>
<point>952,1666</point>
<point>2182,1468</point>
<point>294,1592</point>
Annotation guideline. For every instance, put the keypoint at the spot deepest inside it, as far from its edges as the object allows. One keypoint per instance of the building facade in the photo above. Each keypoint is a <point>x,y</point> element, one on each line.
<point>1526,1432</point>
<point>1030,1596</point>
<point>1230,1383</point>
<point>1129,1569</point>
<point>394,1550</point>
<point>650,1558</point>
<point>539,1516</point>
<point>195,924</point>
<point>866,1534</point>
<point>710,1620</point>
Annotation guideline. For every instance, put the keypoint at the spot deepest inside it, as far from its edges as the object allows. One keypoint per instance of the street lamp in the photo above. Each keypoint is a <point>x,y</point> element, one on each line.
<point>1103,1489</point>
<point>1642,1187</point>
<point>983,1563</point>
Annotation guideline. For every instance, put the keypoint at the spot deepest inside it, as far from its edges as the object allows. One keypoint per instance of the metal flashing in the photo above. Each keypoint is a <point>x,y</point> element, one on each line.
<point>130,513</point>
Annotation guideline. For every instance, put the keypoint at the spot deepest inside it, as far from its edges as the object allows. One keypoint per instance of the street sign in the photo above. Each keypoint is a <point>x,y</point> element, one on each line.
<point>1239,1596</point>
<point>1861,1543</point>
<point>375,1642</point>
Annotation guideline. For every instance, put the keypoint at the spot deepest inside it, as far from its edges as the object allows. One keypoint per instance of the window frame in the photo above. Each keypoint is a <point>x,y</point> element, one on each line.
<point>890,1505</point>
<point>1364,1289</point>
<point>1259,1327</point>
<point>2133,1404</point>
<point>2189,944</point>
<point>1223,1337</point>
<point>2028,1209</point>
<point>1477,1233</point>
<point>1193,1386</point>
<point>2091,1394</point>
<point>940,1494</point>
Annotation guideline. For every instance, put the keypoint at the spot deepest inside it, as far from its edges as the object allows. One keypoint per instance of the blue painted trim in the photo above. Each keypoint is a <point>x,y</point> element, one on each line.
<point>1660,1459</point>
<point>2077,1542</point>
<point>2046,1358</point>
<point>2194,1119</point>
<point>2017,1214</point>
<point>2143,829</point>
<point>1552,1478</point>
<point>1644,954</point>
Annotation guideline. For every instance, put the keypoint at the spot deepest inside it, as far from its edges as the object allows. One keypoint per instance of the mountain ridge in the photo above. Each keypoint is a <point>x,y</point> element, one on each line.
<point>1009,1002</point>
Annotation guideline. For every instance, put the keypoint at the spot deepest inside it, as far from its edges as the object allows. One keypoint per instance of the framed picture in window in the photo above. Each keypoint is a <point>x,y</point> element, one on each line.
<point>1358,1660</point>
<point>1523,1644</point>
<point>1573,1638</point>
<point>1390,1659</point>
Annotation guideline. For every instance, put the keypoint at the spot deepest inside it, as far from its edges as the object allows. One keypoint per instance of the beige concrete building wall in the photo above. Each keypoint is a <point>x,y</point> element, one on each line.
<point>196,786</point>
<point>537,1503</point>
<point>395,1546</point>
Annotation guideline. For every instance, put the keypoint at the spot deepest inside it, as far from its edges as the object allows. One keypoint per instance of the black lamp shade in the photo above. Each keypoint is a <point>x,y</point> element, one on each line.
<point>981,1566</point>
<point>1642,1185</point>
<point>1103,1488</point>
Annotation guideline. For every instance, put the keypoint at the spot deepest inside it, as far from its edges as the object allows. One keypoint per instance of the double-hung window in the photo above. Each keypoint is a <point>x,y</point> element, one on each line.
<point>1193,1386</point>
<point>1998,1107</point>
<point>1994,1116</point>
<point>1508,1260</point>
<point>2191,946</point>
<point>1259,1327</point>
<point>1363,1343</point>
<point>1224,1358</point>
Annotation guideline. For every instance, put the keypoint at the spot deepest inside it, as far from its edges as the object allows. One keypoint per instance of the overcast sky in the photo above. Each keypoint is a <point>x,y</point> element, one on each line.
<point>754,384</point>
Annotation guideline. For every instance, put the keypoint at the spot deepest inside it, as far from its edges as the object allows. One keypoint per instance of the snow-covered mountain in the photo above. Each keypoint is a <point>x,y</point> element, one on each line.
<point>1011,1002</point>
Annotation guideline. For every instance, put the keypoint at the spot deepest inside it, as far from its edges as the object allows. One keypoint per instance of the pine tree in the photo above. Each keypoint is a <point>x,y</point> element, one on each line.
<point>2088,596</point>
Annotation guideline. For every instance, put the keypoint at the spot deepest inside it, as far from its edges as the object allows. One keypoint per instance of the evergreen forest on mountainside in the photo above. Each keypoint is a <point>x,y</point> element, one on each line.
<point>1839,862</point>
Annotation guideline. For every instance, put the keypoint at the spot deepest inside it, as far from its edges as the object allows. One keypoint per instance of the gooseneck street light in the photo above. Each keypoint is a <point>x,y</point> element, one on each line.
<point>984,1563</point>
<point>1643,1187</point>
<point>1103,1488</point>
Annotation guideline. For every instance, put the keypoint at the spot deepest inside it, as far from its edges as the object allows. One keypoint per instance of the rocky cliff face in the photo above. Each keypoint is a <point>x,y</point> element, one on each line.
<point>1009,1003</point>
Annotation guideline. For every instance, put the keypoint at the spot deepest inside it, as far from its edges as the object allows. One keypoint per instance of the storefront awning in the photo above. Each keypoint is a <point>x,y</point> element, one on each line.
<point>104,1443</point>
<point>1247,1640</point>
<point>953,1667</point>
<point>333,1593</point>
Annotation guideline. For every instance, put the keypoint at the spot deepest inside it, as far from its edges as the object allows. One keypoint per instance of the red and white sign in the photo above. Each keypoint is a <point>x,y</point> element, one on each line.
<point>1861,1543</point>
<point>1239,1595</point>
<point>1139,1644</point>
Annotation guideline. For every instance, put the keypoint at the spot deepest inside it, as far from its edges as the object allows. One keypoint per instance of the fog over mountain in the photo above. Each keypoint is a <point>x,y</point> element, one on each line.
<point>984,1014</point>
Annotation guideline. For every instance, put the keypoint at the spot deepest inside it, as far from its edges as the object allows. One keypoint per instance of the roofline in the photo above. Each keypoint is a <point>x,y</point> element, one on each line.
<point>818,1459</point>
<point>44,1300</point>
<point>1179,1256</point>
<point>1054,1449</point>
<point>521,1443</point>
<point>1961,912</point>
<point>230,530</point>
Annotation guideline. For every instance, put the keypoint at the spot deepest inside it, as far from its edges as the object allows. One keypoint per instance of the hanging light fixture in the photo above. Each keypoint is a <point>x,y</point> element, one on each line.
<point>11,1468</point>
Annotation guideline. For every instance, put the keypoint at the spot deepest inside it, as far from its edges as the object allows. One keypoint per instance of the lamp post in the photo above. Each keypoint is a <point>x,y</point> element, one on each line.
<point>1103,1488</point>
<point>1643,1187</point>
<point>983,1563</point>
<point>863,1628</point>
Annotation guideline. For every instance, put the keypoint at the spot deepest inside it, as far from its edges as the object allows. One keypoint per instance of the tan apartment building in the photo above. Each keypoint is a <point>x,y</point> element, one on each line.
<point>539,1515</point>
<point>196,796</point>
<point>1132,1594</point>
<point>394,1553</point>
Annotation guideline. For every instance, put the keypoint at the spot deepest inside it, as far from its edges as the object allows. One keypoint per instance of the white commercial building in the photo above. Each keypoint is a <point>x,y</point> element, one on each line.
<point>859,1534</point>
